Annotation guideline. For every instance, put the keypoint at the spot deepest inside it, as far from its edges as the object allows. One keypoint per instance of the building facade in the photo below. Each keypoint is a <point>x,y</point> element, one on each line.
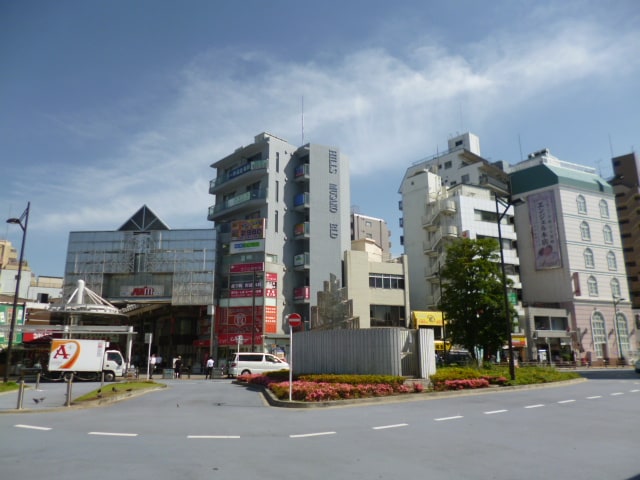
<point>626,187</point>
<point>282,217</point>
<point>370,228</point>
<point>162,279</point>
<point>449,196</point>
<point>571,263</point>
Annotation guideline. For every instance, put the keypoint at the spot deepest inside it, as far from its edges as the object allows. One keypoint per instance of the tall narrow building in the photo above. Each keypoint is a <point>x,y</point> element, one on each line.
<point>282,217</point>
<point>626,186</point>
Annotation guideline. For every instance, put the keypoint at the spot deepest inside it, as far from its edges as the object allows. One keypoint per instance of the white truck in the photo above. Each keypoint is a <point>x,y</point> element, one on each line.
<point>87,359</point>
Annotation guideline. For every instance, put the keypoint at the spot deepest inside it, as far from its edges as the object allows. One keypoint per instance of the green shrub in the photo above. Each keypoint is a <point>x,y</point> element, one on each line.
<point>354,379</point>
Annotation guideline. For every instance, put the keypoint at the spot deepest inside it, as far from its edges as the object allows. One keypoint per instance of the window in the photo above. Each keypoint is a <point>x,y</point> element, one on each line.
<point>608,234</point>
<point>585,232</point>
<point>582,204</point>
<point>277,161</point>
<point>277,191</point>
<point>615,287</point>
<point>387,316</point>
<point>387,281</point>
<point>465,178</point>
<point>623,334</point>
<point>599,334</point>
<point>604,209</point>
<point>588,259</point>
<point>611,261</point>
<point>368,223</point>
<point>592,285</point>
<point>275,221</point>
<point>447,165</point>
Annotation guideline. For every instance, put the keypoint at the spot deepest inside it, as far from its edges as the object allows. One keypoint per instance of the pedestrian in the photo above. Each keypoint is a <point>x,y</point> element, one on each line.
<point>152,365</point>
<point>177,369</point>
<point>209,371</point>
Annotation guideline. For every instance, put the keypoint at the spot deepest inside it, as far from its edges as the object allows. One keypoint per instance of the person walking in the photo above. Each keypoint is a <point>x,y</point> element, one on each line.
<point>209,372</point>
<point>177,368</point>
<point>152,365</point>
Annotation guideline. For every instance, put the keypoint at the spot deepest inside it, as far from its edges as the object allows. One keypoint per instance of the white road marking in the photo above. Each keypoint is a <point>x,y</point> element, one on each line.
<point>442,419</point>
<point>635,391</point>
<point>535,406</point>
<point>594,397</point>
<point>566,401</point>
<point>493,412</point>
<point>32,427</point>
<point>617,393</point>
<point>398,425</point>
<point>304,435</point>
<point>223,437</point>
<point>114,434</point>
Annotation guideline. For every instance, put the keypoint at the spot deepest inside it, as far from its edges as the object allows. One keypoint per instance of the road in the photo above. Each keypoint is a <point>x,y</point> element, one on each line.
<point>199,429</point>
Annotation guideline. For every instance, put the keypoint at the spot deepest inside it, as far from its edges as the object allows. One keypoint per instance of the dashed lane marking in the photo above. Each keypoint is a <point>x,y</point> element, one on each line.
<point>317,434</point>
<point>215,437</point>
<point>594,397</point>
<point>538,405</point>
<point>615,394</point>
<point>443,419</point>
<point>32,427</point>
<point>635,391</point>
<point>397,425</point>
<point>493,412</point>
<point>114,434</point>
<point>566,401</point>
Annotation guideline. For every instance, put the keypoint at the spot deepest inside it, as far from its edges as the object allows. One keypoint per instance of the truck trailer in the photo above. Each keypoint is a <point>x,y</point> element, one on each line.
<point>86,359</point>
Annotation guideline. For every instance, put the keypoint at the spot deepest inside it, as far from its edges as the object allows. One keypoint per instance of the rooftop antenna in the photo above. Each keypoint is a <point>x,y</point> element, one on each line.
<point>598,162</point>
<point>610,146</point>
<point>520,145</point>
<point>302,119</point>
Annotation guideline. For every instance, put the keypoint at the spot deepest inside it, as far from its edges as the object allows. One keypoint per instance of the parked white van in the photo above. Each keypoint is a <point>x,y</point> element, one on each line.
<point>254,362</point>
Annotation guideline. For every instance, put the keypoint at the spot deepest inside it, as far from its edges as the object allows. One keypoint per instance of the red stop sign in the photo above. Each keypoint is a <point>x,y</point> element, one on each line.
<point>295,320</point>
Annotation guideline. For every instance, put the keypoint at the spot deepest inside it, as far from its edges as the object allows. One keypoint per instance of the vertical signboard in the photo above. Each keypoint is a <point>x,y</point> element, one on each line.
<point>544,230</point>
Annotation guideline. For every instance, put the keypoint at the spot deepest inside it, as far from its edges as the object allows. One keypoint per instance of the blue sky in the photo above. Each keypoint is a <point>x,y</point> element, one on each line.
<point>106,106</point>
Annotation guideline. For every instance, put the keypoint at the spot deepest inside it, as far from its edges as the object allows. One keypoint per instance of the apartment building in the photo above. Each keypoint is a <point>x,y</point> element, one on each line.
<point>448,196</point>
<point>571,263</point>
<point>371,228</point>
<point>282,217</point>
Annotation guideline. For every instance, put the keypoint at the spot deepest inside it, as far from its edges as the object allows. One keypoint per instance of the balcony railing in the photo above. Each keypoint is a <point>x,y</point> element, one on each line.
<point>301,230</point>
<point>236,201</point>
<point>302,261</point>
<point>301,201</point>
<point>237,173</point>
<point>301,294</point>
<point>302,172</point>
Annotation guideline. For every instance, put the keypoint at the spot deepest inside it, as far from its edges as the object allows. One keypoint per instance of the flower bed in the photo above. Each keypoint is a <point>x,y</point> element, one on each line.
<point>320,391</point>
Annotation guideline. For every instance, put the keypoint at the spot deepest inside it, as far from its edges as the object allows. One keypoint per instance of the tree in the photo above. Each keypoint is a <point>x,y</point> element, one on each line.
<point>473,295</point>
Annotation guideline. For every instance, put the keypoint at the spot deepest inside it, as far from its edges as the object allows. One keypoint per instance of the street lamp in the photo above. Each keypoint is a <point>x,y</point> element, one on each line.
<point>23,226</point>
<point>616,301</point>
<point>500,216</point>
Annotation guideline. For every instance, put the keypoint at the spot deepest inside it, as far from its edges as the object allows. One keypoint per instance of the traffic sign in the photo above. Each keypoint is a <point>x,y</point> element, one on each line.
<point>295,320</point>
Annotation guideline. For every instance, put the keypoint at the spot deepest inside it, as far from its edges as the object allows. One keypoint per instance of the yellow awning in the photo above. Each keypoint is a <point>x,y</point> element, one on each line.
<point>427,319</point>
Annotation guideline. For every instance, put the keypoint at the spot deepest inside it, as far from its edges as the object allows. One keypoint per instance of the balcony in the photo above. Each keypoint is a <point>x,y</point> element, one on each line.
<point>301,230</point>
<point>302,261</point>
<point>445,206</point>
<point>301,202</point>
<point>251,199</point>
<point>302,294</point>
<point>301,173</point>
<point>247,173</point>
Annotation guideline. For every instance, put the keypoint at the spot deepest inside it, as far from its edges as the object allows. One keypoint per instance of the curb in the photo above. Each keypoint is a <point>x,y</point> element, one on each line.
<point>273,401</point>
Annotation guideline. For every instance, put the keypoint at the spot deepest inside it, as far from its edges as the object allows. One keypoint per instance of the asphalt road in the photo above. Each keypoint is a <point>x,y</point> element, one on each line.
<point>198,429</point>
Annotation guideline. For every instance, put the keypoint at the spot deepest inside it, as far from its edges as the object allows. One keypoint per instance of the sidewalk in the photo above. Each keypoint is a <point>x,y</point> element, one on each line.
<point>53,395</point>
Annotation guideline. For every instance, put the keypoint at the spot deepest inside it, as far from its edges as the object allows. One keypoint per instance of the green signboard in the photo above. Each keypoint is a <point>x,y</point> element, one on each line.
<point>5,321</point>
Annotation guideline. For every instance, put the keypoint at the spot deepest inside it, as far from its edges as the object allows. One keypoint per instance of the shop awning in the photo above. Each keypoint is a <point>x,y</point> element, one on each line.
<point>426,319</point>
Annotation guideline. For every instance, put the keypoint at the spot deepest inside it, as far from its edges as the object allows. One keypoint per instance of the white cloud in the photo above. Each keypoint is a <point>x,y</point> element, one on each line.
<point>382,110</point>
